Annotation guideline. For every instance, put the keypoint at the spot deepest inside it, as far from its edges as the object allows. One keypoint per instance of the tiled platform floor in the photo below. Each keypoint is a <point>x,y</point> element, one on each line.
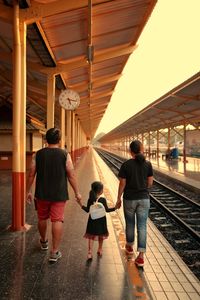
<point>26,274</point>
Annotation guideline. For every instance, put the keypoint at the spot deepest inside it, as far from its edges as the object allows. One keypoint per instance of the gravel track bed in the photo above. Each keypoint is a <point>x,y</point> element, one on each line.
<point>177,186</point>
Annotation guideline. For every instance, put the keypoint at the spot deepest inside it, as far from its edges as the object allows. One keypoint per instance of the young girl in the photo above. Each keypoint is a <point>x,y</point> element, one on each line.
<point>96,229</point>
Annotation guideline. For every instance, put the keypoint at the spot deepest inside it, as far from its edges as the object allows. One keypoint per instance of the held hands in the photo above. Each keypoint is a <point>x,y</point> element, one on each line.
<point>29,198</point>
<point>118,203</point>
<point>78,198</point>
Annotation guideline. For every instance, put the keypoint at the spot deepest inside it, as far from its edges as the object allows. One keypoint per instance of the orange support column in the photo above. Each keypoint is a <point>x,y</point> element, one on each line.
<point>184,146</point>
<point>72,135</point>
<point>50,101</point>
<point>169,138</point>
<point>62,127</point>
<point>75,137</point>
<point>149,144</point>
<point>19,122</point>
<point>68,125</point>
<point>158,144</point>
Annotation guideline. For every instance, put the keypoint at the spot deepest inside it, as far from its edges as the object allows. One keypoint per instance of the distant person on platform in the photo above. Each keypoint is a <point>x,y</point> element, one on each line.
<point>52,167</point>
<point>135,179</point>
<point>174,153</point>
<point>168,153</point>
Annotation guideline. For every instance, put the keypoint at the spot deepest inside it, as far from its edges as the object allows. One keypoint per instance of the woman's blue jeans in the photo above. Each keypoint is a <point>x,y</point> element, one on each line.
<point>136,210</point>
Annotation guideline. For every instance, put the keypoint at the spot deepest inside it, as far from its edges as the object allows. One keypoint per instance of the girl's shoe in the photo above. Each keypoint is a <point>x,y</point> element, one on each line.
<point>89,256</point>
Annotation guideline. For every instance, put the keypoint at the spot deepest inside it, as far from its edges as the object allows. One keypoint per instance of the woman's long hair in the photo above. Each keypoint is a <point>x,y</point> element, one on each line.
<point>96,188</point>
<point>136,148</point>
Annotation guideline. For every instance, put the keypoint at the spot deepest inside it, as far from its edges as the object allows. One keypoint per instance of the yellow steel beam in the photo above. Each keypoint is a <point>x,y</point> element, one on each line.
<point>92,111</point>
<point>113,52</point>
<point>104,80</point>
<point>93,116</point>
<point>60,68</point>
<point>101,95</point>
<point>46,41</point>
<point>84,104</point>
<point>186,97</point>
<point>37,67</point>
<point>78,62</point>
<point>98,96</point>
<point>93,107</point>
<point>99,56</point>
<point>80,87</point>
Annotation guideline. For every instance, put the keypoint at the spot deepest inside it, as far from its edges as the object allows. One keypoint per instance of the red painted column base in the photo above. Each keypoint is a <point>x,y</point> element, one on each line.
<point>18,201</point>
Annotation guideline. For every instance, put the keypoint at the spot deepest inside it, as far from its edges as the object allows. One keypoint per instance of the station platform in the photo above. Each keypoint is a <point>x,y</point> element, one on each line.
<point>26,274</point>
<point>187,172</point>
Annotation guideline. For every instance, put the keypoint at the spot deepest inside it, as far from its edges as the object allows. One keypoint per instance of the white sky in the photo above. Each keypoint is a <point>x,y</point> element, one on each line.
<point>168,53</point>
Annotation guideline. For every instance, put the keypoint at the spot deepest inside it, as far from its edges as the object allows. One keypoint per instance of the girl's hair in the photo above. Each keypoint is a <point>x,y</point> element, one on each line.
<point>136,147</point>
<point>96,188</point>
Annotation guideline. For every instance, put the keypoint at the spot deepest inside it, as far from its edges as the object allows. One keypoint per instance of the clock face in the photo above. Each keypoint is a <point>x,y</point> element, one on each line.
<point>69,99</point>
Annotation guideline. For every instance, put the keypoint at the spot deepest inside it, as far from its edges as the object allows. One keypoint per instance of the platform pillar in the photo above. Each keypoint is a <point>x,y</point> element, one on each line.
<point>149,144</point>
<point>169,134</point>
<point>72,135</point>
<point>68,131</point>
<point>158,144</point>
<point>184,144</point>
<point>19,122</point>
<point>50,100</point>
<point>62,127</point>
<point>78,137</point>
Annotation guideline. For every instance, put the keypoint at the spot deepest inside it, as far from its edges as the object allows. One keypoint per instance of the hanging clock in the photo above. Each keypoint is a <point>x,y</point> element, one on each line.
<point>69,99</point>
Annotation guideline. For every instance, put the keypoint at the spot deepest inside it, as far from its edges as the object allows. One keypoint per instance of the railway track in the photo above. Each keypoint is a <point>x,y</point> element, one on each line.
<point>185,211</point>
<point>176,216</point>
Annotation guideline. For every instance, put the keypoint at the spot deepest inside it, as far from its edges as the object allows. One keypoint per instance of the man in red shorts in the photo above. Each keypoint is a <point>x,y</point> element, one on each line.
<point>53,167</point>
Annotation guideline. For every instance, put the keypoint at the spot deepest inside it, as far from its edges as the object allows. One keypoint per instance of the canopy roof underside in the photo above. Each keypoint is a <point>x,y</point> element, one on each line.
<point>178,107</point>
<point>86,44</point>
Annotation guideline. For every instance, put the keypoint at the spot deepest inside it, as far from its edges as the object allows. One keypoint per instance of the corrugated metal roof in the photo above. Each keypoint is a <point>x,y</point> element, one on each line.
<point>179,106</point>
<point>60,37</point>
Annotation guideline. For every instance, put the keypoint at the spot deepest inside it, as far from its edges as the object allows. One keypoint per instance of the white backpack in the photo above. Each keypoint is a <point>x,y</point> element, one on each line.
<point>97,210</point>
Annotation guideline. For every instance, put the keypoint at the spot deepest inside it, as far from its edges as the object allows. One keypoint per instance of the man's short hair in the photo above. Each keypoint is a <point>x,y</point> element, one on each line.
<point>53,136</point>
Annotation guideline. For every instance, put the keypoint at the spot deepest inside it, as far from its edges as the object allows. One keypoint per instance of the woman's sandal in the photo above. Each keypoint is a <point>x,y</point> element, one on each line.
<point>89,256</point>
<point>99,253</point>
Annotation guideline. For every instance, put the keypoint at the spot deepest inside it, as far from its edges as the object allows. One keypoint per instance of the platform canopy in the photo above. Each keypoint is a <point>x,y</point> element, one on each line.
<point>180,106</point>
<point>84,43</point>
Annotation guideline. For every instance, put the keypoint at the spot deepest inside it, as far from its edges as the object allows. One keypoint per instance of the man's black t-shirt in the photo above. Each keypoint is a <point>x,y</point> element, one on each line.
<point>51,175</point>
<point>136,174</point>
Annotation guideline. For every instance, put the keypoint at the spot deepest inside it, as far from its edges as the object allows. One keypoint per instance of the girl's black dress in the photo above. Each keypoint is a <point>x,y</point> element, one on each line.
<point>97,228</point>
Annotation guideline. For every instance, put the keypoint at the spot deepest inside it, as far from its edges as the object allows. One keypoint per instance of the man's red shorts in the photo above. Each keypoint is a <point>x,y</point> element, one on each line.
<point>49,209</point>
